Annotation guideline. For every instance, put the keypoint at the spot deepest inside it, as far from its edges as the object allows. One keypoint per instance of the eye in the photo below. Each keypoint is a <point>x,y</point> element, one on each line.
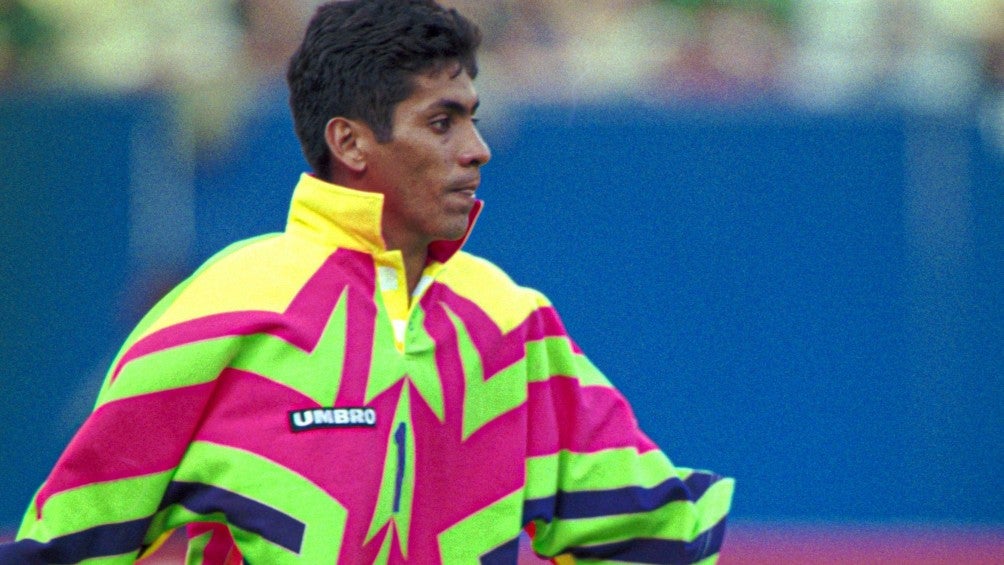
<point>441,125</point>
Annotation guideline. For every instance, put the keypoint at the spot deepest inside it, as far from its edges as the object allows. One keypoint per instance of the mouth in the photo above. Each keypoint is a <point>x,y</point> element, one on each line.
<point>466,189</point>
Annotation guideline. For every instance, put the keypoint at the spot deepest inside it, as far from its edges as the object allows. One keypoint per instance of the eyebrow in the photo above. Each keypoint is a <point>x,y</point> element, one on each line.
<point>455,106</point>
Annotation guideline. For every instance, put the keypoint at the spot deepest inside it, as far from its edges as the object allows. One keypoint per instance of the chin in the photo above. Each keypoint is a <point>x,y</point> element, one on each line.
<point>455,229</point>
<point>452,234</point>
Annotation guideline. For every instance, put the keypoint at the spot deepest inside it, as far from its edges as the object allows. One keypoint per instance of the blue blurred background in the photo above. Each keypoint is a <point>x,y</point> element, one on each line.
<point>775,225</point>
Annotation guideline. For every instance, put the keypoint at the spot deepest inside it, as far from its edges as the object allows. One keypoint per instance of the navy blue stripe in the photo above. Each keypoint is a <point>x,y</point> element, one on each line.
<point>127,537</point>
<point>626,500</point>
<point>648,550</point>
<point>505,554</point>
<point>245,513</point>
<point>699,482</point>
<point>100,541</point>
<point>400,440</point>
<point>538,509</point>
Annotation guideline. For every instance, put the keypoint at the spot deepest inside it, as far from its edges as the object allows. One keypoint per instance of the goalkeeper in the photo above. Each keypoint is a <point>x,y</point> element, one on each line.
<point>357,388</point>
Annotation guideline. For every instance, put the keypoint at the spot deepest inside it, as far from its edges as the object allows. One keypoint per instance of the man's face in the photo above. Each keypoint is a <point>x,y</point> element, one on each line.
<point>429,170</point>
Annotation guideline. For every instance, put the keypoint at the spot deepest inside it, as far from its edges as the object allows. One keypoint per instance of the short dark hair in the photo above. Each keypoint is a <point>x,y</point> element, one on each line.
<point>359,59</point>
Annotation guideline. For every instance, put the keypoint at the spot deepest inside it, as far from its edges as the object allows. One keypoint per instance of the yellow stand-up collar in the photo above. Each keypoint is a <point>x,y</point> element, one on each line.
<point>337,216</point>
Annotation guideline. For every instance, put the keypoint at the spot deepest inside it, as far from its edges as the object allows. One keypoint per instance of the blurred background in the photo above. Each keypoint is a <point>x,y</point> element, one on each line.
<point>775,224</point>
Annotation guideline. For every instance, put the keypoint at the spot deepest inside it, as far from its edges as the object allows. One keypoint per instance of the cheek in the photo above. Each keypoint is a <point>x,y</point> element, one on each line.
<point>409,162</point>
<point>421,169</point>
<point>429,174</point>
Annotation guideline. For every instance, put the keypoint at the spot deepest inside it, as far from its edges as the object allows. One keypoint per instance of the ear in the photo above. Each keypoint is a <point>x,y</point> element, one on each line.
<point>345,139</point>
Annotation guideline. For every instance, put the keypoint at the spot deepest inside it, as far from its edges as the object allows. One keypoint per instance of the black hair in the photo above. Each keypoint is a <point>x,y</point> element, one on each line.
<point>359,59</point>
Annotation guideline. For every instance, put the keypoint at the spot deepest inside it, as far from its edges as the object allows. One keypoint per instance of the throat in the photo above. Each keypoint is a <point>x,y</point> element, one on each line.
<point>414,254</point>
<point>414,266</point>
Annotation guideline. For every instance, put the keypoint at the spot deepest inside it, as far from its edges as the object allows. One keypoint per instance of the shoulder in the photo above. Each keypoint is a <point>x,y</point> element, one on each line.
<point>492,289</point>
<point>260,274</point>
<point>477,276</point>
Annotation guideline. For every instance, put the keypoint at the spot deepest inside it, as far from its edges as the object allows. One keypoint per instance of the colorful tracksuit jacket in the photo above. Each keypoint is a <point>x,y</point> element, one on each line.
<point>292,395</point>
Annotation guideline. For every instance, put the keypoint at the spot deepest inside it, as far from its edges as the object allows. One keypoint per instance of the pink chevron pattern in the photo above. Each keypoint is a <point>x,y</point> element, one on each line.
<point>346,463</point>
<point>602,417</point>
<point>497,350</point>
<point>249,411</point>
<point>301,324</point>
<point>127,438</point>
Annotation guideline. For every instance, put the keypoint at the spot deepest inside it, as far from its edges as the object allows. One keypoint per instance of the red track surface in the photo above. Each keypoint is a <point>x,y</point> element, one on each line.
<point>813,544</point>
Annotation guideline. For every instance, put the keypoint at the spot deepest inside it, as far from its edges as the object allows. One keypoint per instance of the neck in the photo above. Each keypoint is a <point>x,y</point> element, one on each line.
<point>415,257</point>
<point>414,265</point>
<point>415,254</point>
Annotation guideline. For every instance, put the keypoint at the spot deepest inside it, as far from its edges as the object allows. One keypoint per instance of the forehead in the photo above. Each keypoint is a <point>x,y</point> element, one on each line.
<point>447,86</point>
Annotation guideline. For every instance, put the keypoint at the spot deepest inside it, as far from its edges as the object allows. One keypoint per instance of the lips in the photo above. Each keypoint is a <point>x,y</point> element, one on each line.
<point>466,189</point>
<point>462,198</point>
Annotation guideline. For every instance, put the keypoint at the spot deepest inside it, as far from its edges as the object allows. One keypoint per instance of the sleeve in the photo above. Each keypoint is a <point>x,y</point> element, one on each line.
<point>598,489</point>
<point>110,496</point>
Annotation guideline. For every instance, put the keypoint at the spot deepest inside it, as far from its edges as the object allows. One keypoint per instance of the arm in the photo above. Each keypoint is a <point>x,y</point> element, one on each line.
<point>105,499</point>
<point>598,489</point>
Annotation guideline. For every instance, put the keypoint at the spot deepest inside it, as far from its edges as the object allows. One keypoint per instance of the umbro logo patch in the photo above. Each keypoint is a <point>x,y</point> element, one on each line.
<point>314,418</point>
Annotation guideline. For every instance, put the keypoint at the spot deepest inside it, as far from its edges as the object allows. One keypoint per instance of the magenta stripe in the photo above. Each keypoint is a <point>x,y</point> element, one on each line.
<point>497,350</point>
<point>301,325</point>
<point>229,324</point>
<point>360,328</point>
<point>581,419</point>
<point>127,438</point>
<point>448,364</point>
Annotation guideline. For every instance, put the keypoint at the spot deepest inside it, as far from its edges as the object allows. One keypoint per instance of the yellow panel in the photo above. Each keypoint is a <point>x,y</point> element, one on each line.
<point>262,276</point>
<point>505,302</point>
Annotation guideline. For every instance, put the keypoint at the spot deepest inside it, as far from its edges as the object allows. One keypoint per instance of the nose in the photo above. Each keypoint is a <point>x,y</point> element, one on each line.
<point>476,152</point>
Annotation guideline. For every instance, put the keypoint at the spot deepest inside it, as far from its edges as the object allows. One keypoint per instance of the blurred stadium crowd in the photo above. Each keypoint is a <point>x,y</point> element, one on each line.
<point>214,56</point>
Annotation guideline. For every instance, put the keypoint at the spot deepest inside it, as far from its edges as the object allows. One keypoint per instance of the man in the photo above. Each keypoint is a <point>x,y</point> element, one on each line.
<point>357,389</point>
